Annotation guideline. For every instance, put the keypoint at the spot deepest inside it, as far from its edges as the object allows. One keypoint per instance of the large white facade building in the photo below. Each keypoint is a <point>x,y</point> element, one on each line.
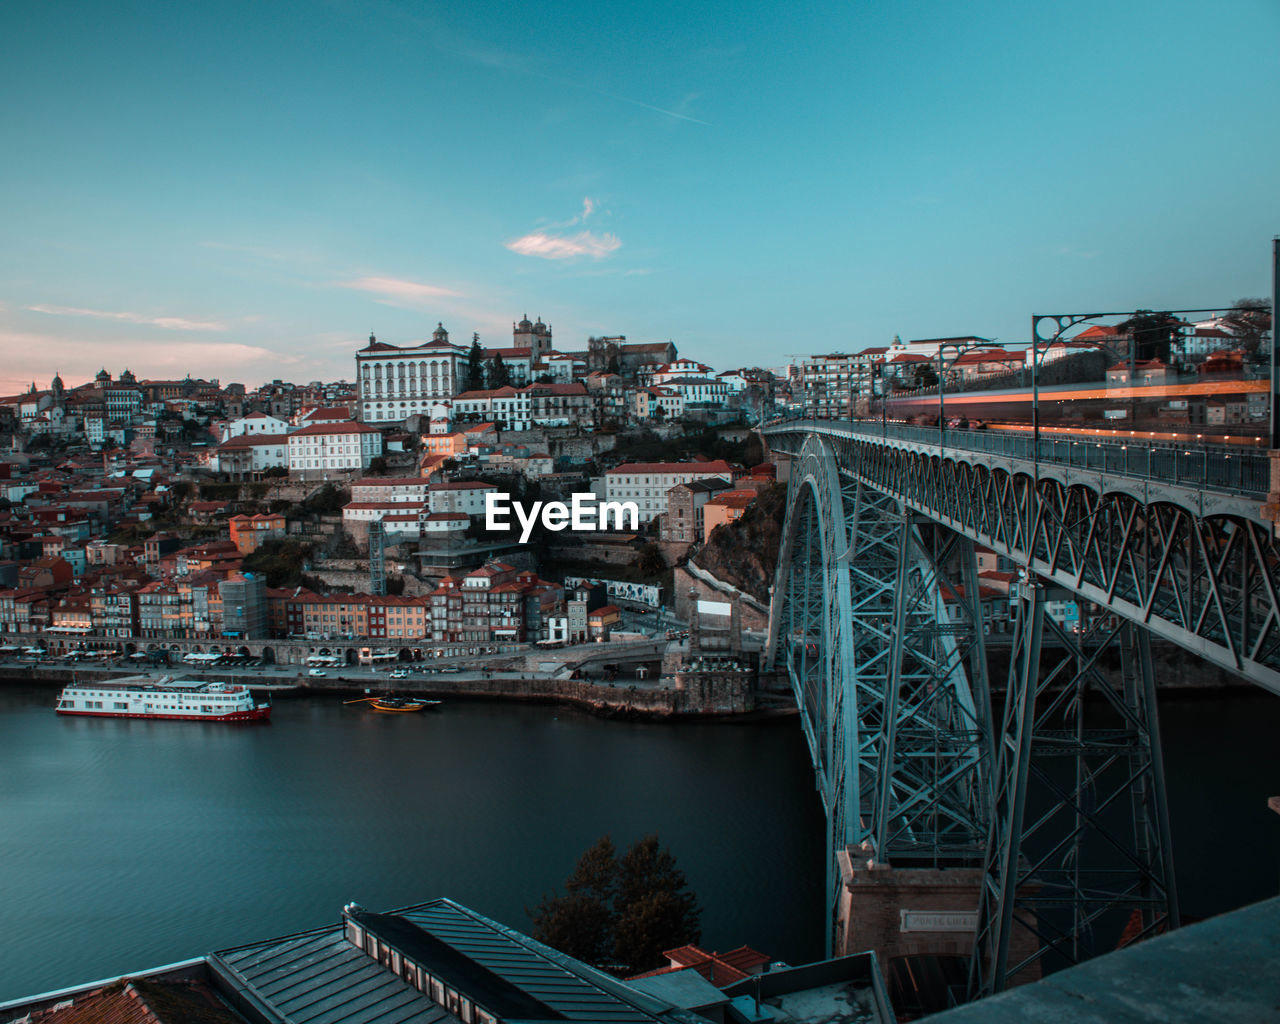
<point>322,448</point>
<point>395,383</point>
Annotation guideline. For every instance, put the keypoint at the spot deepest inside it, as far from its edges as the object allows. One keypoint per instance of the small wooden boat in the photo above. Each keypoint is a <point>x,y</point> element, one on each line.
<point>398,705</point>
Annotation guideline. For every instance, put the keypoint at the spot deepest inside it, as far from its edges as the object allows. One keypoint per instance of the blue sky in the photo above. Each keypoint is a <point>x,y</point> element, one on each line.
<point>247,189</point>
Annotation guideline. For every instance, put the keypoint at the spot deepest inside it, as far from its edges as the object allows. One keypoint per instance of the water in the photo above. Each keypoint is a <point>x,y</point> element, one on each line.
<point>127,844</point>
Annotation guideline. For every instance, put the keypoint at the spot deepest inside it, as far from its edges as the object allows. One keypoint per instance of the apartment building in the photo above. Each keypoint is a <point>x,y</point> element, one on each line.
<point>647,483</point>
<point>325,448</point>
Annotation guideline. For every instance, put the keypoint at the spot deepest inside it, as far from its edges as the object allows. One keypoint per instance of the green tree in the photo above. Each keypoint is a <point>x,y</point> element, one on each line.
<point>378,466</point>
<point>475,365</point>
<point>1152,334</point>
<point>1248,320</point>
<point>621,913</point>
<point>499,374</point>
<point>651,562</point>
<point>925,376</point>
<point>580,923</point>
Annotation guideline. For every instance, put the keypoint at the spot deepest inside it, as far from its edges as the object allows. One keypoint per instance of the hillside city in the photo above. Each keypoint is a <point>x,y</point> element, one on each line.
<point>139,511</point>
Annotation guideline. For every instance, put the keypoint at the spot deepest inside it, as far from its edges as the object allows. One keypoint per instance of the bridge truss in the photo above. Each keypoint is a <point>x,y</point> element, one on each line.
<point>1068,786</point>
<point>896,729</point>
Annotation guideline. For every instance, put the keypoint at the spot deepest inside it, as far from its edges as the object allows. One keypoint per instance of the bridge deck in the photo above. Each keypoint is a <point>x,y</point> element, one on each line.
<point>1245,472</point>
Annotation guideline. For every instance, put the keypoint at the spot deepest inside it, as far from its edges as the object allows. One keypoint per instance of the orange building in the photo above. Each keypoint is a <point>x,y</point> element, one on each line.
<point>725,508</point>
<point>248,532</point>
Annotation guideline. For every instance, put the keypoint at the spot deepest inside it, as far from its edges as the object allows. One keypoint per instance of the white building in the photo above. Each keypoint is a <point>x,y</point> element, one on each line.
<point>254,423</point>
<point>323,448</point>
<point>507,407</point>
<point>395,383</point>
<point>681,368</point>
<point>647,483</point>
<point>459,496</point>
<point>394,490</point>
<point>246,454</point>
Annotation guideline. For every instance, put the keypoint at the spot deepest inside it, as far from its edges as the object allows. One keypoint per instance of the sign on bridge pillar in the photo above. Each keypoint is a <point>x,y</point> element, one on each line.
<point>911,911</point>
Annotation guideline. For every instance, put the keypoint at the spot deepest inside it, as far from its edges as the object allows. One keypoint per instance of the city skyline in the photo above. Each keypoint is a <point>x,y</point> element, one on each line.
<point>246,193</point>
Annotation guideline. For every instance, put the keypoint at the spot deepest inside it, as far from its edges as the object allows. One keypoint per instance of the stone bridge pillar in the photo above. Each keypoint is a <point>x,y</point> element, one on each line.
<point>913,911</point>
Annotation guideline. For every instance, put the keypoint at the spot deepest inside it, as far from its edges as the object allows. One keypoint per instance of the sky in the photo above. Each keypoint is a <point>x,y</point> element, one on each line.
<point>246,190</point>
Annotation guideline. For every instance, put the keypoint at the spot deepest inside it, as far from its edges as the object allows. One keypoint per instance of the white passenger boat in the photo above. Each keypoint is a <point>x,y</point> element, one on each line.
<point>191,700</point>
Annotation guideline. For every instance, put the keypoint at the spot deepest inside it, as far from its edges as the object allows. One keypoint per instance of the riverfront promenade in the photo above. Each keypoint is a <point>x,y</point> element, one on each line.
<point>632,686</point>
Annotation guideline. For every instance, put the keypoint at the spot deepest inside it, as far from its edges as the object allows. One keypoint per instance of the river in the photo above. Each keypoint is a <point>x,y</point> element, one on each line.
<point>127,844</point>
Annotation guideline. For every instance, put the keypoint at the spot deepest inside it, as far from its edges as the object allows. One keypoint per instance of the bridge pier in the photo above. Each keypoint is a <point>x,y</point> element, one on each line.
<point>912,911</point>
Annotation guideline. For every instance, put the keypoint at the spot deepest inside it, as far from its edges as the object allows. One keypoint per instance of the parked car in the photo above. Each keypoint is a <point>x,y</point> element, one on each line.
<point>400,673</point>
<point>316,672</point>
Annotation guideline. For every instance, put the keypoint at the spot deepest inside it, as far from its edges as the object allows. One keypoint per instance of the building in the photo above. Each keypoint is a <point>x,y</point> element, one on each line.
<point>459,496</point>
<point>685,502</point>
<point>246,455</point>
<point>321,449</point>
<point>724,508</point>
<point>256,423</point>
<point>647,483</point>
<point>249,532</point>
<point>442,963</point>
<point>614,355</point>
<point>495,603</point>
<point>397,382</point>
<point>391,490</point>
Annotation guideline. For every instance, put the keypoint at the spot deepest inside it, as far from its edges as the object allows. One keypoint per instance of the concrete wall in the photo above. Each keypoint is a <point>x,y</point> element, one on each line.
<point>706,587</point>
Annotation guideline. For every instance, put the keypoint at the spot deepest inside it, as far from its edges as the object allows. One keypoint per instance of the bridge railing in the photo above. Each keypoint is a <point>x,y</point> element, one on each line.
<point>1212,467</point>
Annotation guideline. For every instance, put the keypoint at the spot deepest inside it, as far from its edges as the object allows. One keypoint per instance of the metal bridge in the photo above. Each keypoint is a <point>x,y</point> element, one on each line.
<point>1058,798</point>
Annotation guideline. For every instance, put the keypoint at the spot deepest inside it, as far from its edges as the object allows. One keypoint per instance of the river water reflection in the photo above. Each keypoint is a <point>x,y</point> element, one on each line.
<point>127,844</point>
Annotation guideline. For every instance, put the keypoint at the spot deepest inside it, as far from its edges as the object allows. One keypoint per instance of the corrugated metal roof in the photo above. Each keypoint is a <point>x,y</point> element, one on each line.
<point>556,981</point>
<point>320,978</point>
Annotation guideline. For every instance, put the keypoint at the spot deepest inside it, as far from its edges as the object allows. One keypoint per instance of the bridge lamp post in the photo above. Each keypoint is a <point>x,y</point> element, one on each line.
<point>942,372</point>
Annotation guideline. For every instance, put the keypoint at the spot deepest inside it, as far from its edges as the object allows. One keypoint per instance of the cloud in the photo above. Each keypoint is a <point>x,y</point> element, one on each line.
<point>565,247</point>
<point>172,323</point>
<point>547,244</point>
<point>397,292</point>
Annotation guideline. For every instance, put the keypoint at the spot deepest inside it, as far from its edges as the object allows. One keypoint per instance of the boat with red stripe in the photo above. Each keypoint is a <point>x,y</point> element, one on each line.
<point>186,700</point>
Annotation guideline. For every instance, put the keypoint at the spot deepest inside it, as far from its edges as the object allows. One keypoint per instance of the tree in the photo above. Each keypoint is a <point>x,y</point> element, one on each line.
<point>925,376</point>
<point>499,374</point>
<point>378,466</point>
<point>1152,334</point>
<point>475,365</point>
<point>651,562</point>
<point>620,913</point>
<point>1248,319</point>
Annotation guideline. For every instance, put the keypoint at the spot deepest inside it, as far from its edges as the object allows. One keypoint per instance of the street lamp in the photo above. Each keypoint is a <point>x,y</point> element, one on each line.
<point>942,367</point>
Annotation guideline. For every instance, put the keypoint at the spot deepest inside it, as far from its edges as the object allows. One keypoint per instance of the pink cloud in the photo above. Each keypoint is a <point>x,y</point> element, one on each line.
<point>564,247</point>
<point>396,290</point>
<point>172,323</point>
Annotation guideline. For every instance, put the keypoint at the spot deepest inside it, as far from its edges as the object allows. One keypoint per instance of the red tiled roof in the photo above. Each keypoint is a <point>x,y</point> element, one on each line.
<point>1097,331</point>
<point>241,441</point>
<point>390,481</point>
<point>334,428</point>
<point>717,468</point>
<point>989,355</point>
<point>328,412</point>
<point>734,499</point>
<point>397,505</point>
<point>141,1002</point>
